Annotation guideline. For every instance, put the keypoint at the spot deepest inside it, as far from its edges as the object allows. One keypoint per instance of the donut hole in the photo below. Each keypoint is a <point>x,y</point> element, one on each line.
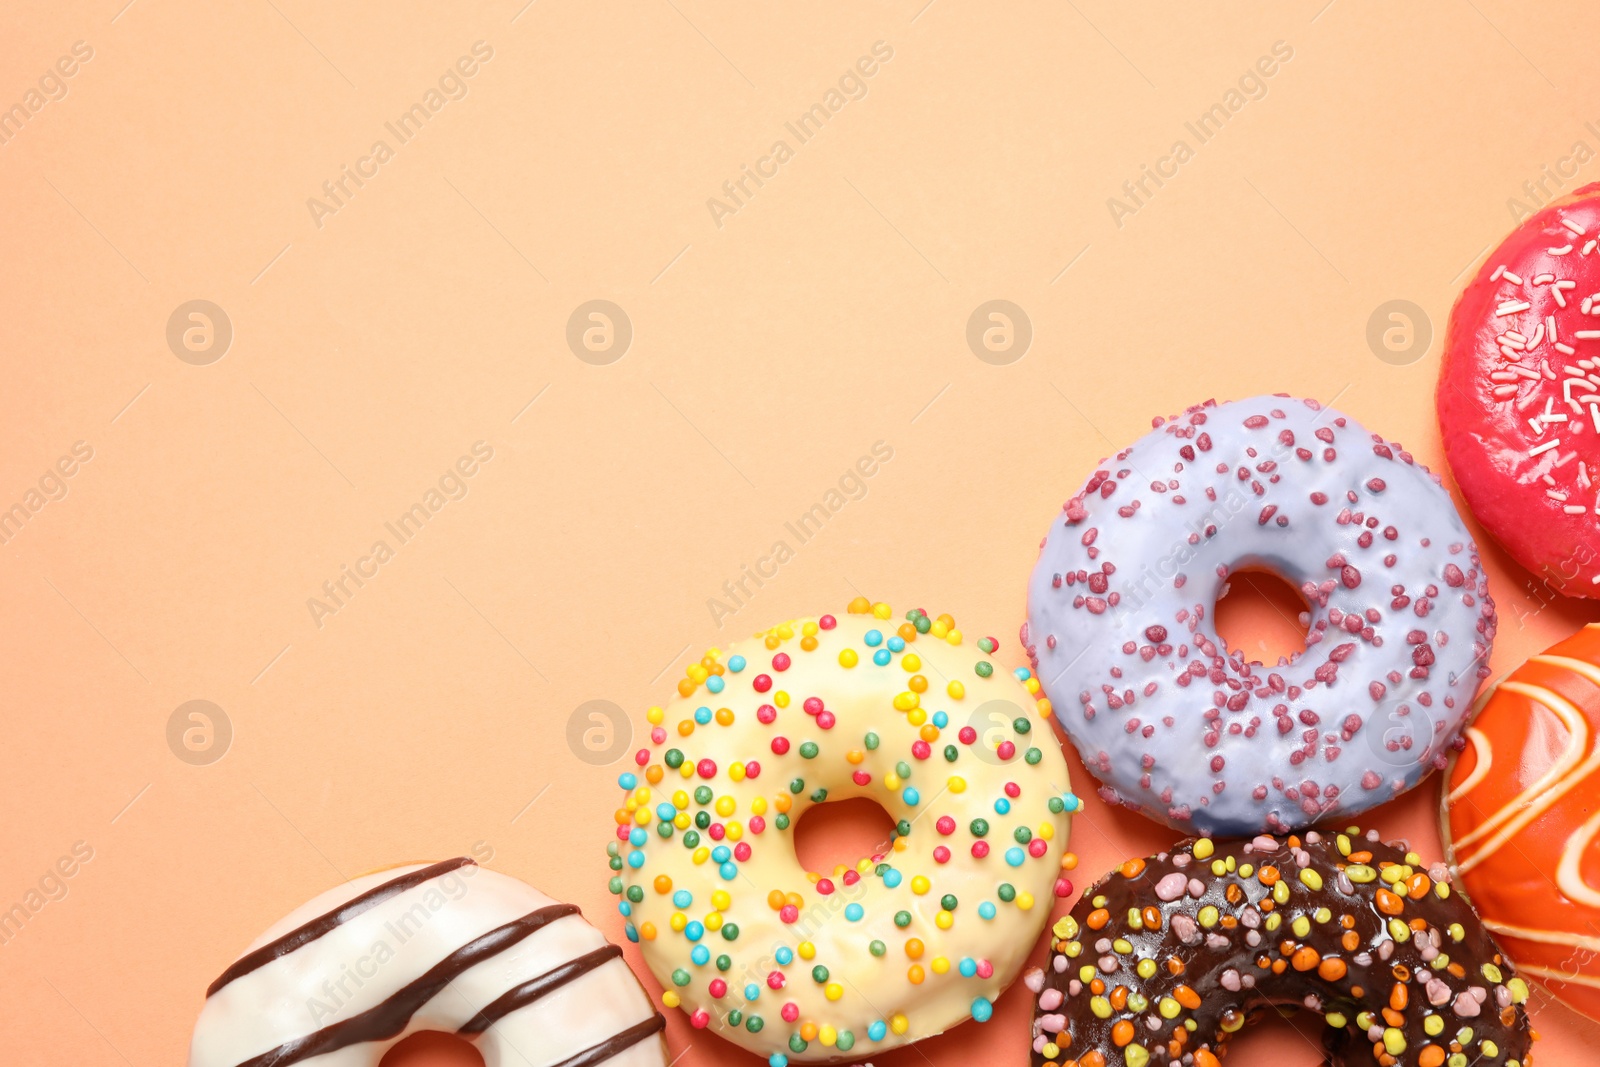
<point>1279,1037</point>
<point>432,1048</point>
<point>1262,616</point>
<point>841,832</point>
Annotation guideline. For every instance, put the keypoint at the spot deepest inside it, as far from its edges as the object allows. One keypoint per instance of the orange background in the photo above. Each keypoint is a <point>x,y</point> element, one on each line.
<point>768,354</point>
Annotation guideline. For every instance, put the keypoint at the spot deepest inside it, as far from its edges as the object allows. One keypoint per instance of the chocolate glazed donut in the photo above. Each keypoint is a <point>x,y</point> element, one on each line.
<point>1166,957</point>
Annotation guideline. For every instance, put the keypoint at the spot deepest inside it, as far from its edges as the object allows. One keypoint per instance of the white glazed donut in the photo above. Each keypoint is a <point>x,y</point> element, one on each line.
<point>1181,728</point>
<point>898,946</point>
<point>445,947</point>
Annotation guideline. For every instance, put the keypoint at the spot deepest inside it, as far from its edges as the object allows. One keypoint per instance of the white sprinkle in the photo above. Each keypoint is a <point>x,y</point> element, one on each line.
<point>1564,284</point>
<point>1502,376</point>
<point>1573,226</point>
<point>1587,335</point>
<point>1550,327</point>
<point>1565,349</point>
<point>1548,417</point>
<point>1544,279</point>
<point>1555,291</point>
<point>1547,446</point>
<point>1510,353</point>
<point>1515,336</point>
<point>1504,392</point>
<point>1588,247</point>
<point>1583,475</point>
<point>1538,335</point>
<point>1511,307</point>
<point>1555,494</point>
<point>1547,479</point>
<point>1563,250</point>
<point>1538,426</point>
<point>1544,368</point>
<point>1497,272</point>
<point>1523,372</point>
<point>1512,278</point>
<point>1575,509</point>
<point>1576,372</point>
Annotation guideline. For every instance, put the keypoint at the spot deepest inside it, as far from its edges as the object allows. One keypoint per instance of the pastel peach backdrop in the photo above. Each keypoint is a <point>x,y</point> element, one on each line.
<point>286,280</point>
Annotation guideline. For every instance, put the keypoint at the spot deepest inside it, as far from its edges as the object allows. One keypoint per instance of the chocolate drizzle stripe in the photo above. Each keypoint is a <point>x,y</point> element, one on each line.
<point>546,983</point>
<point>621,1042</point>
<point>389,1018</point>
<point>324,924</point>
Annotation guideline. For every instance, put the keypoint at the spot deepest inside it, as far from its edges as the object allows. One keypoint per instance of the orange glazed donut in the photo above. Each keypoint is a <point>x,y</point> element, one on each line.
<point>1520,817</point>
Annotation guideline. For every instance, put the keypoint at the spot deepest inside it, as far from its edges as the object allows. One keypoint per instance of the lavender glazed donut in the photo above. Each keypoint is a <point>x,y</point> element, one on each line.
<point>1177,726</point>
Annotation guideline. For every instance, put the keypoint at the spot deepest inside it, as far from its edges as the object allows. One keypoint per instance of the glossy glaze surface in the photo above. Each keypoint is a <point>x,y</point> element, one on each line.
<point>446,947</point>
<point>1521,817</point>
<point>922,934</point>
<point>1165,958</point>
<point>1175,724</point>
<point>1519,393</point>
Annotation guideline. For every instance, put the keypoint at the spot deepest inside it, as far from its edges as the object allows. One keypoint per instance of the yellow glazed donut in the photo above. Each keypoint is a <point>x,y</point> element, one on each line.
<point>803,965</point>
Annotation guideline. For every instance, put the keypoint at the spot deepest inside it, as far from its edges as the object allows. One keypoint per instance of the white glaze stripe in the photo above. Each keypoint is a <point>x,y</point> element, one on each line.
<point>1528,804</point>
<point>1543,937</point>
<point>1569,877</point>
<point>1550,974</point>
<point>1485,758</point>
<point>1541,794</point>
<point>1554,783</point>
<point>1576,666</point>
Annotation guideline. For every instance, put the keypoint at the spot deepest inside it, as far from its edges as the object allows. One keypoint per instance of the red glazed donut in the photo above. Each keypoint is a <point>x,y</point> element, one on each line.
<point>1519,393</point>
<point>1521,821</point>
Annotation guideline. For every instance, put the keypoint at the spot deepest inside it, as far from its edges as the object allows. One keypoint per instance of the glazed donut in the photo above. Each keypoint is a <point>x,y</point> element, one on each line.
<point>899,946</point>
<point>1519,393</point>
<point>1120,602</point>
<point>1520,821</point>
<point>1165,958</point>
<point>445,946</point>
